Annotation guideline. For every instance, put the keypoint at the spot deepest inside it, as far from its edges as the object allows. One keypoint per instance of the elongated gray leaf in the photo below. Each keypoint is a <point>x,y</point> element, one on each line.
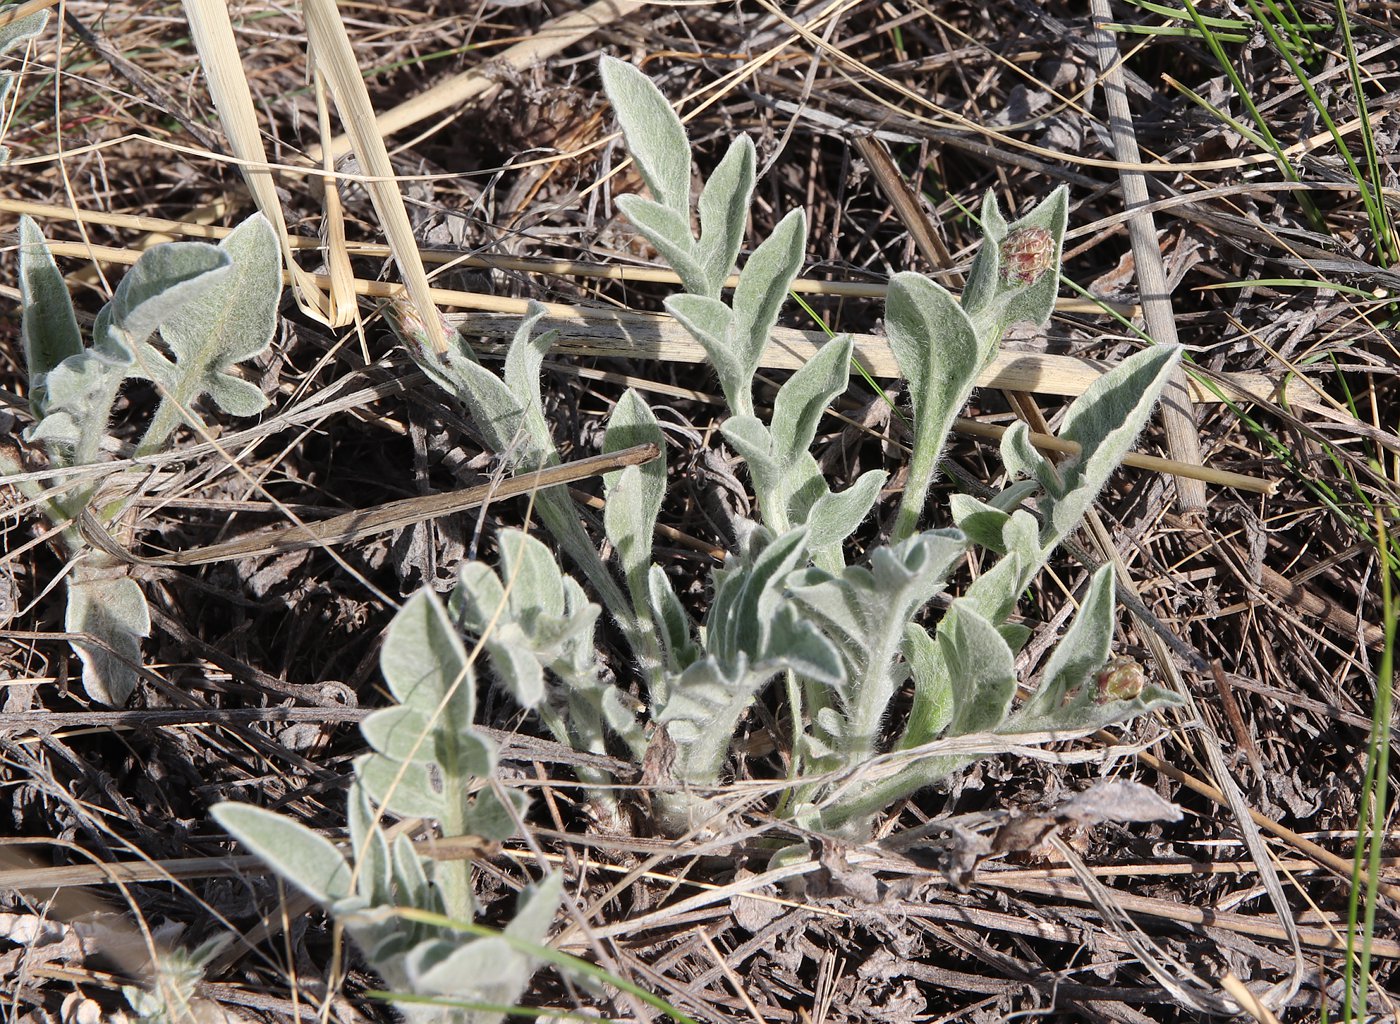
<point>981,670</point>
<point>634,495</point>
<point>670,233</point>
<point>1081,652</point>
<point>521,374</point>
<point>165,281</point>
<point>408,790</point>
<point>654,134</point>
<point>803,398</point>
<point>1016,274</point>
<point>533,577</point>
<point>759,297</point>
<point>1021,458</point>
<point>982,523</point>
<point>47,325</point>
<point>711,323</point>
<point>676,633</point>
<point>835,516</point>
<point>113,613</point>
<point>306,859</point>
<point>938,352</point>
<point>78,397</point>
<point>932,710</point>
<point>369,849</point>
<point>402,732</point>
<point>724,210</point>
<point>1104,420</point>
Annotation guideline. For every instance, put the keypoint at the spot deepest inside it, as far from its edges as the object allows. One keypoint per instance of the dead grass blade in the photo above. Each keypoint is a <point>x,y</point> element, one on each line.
<point>562,32</point>
<point>1178,419</point>
<point>332,57</point>
<point>213,37</point>
<point>394,515</point>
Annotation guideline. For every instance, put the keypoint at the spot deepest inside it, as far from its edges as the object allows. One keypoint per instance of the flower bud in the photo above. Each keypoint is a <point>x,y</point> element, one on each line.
<point>1026,254</point>
<point>1121,678</point>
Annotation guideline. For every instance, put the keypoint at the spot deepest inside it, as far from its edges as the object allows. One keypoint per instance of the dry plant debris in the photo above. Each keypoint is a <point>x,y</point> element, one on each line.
<point>996,894</point>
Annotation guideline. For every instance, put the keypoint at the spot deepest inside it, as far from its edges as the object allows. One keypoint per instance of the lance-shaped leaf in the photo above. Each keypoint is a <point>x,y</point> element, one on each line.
<point>1079,654</point>
<point>938,352</point>
<point>669,232</point>
<point>113,614</point>
<point>305,858</point>
<point>232,321</point>
<point>634,495</point>
<point>655,137</point>
<point>724,209</point>
<point>981,668</point>
<point>759,297</point>
<point>47,325</point>
<point>1103,421</point>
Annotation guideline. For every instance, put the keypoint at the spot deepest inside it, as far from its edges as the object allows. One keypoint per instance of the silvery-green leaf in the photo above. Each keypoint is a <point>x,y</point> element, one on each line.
<point>409,877</point>
<point>113,613</point>
<point>836,604</point>
<point>753,442</point>
<point>521,374</point>
<point>834,517</point>
<point>794,644</point>
<point>991,300</point>
<point>724,210</point>
<point>1103,421</point>
<point>167,280</point>
<point>302,857</point>
<point>702,710</point>
<point>1021,458</point>
<point>933,690</point>
<point>759,297</point>
<point>979,521</point>
<point>654,134</point>
<point>535,910</point>
<point>982,279</point>
<point>981,670</point>
<point>516,664</point>
<point>78,397</point>
<point>532,576</point>
<point>938,352</point>
<point>21,30</point>
<point>634,495</point>
<point>488,818</point>
<point>229,320</point>
<point>994,594</point>
<point>402,732</point>
<point>369,849</point>
<point>406,789</point>
<point>747,599</point>
<point>670,616</point>
<point>479,599</point>
<point>711,323</point>
<point>488,972</point>
<point>1089,715</point>
<point>669,232</point>
<point>48,326</point>
<point>1079,654</point>
<point>424,659</point>
<point>803,398</point>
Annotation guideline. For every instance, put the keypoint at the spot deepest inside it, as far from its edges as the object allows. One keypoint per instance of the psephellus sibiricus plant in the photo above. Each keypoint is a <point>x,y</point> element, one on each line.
<point>846,638</point>
<point>427,761</point>
<point>212,307</point>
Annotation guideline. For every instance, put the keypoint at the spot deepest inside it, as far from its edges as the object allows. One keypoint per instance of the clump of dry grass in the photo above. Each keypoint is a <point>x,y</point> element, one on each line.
<point>1262,605</point>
